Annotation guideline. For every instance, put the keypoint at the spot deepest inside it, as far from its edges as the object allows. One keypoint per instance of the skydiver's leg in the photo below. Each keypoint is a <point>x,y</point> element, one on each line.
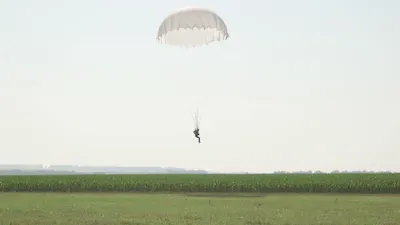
<point>199,139</point>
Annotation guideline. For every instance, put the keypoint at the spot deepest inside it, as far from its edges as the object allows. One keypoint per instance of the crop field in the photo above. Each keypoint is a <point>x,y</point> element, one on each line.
<point>278,199</point>
<point>270,183</point>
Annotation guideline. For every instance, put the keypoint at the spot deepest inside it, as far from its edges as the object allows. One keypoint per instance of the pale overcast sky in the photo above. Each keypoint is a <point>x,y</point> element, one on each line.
<point>300,85</point>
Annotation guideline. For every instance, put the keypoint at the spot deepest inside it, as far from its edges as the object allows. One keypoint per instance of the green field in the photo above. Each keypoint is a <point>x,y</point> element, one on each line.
<point>179,209</point>
<point>278,199</point>
<point>270,183</point>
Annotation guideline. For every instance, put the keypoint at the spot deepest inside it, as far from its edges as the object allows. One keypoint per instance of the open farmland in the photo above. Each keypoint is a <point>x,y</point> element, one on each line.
<point>269,183</point>
<point>201,199</point>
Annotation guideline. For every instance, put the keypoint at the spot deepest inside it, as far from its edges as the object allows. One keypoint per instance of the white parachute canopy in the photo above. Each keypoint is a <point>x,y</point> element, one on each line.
<point>191,27</point>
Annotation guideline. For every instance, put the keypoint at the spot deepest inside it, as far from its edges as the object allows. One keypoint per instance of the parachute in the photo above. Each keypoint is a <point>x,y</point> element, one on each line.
<point>192,27</point>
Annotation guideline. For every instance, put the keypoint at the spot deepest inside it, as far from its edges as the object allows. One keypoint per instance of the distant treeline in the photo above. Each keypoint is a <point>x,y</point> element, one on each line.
<point>61,172</point>
<point>332,172</point>
<point>65,172</point>
<point>34,172</point>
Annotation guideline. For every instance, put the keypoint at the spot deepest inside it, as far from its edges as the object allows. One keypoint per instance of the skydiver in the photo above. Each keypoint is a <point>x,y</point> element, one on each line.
<point>197,134</point>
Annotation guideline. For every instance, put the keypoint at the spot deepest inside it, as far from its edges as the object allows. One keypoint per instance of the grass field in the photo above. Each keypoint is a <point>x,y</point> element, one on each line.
<point>179,209</point>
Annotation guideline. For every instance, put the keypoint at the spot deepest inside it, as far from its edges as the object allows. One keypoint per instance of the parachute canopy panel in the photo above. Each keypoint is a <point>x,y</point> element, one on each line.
<point>191,27</point>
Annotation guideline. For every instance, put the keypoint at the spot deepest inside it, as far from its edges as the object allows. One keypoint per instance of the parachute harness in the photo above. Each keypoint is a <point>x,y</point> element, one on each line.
<point>196,119</point>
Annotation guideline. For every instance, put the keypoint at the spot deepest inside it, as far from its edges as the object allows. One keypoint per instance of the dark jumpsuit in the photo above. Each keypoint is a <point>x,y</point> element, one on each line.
<point>197,134</point>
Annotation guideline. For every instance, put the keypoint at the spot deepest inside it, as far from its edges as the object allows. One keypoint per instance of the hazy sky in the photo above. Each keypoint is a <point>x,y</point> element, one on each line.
<point>299,85</point>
